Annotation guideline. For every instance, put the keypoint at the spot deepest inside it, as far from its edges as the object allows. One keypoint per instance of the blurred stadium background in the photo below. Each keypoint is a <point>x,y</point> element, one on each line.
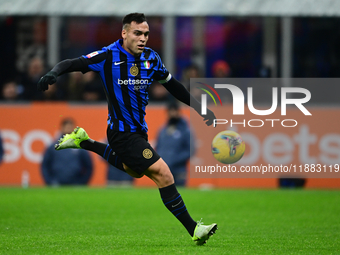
<point>257,38</point>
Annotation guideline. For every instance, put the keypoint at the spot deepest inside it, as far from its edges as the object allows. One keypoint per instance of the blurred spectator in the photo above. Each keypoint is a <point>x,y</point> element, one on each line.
<point>191,71</point>
<point>10,91</point>
<point>265,72</point>
<point>85,87</point>
<point>66,167</point>
<point>220,69</point>
<point>175,144</point>
<point>93,90</point>
<point>52,94</point>
<point>35,70</point>
<point>158,92</point>
<point>1,150</point>
<point>74,86</point>
<point>35,32</point>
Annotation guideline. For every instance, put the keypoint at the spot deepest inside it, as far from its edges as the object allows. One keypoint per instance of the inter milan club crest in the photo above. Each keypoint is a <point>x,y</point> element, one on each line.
<point>134,70</point>
<point>147,153</point>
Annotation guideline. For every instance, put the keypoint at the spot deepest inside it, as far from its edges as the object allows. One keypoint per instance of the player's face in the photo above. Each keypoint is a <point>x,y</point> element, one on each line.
<point>135,37</point>
<point>67,128</point>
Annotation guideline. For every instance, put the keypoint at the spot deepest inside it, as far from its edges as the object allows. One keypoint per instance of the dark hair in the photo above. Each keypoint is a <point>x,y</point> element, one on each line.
<point>67,120</point>
<point>136,17</point>
<point>173,105</point>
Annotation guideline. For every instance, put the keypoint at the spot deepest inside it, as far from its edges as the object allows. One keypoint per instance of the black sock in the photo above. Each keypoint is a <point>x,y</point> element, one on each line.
<point>175,204</point>
<point>103,150</point>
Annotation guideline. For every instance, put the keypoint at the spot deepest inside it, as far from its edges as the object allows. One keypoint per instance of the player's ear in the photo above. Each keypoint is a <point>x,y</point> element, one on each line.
<point>124,32</point>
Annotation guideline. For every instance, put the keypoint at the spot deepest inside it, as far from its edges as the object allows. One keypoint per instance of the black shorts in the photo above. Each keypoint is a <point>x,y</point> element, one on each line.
<point>133,149</point>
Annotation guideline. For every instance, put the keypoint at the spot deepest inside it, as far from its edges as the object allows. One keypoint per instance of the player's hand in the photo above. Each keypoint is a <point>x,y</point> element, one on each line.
<point>48,79</point>
<point>209,118</point>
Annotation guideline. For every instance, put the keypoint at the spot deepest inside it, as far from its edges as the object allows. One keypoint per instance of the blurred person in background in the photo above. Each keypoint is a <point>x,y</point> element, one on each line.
<point>68,167</point>
<point>54,95</point>
<point>83,87</point>
<point>74,86</point>
<point>35,44</point>
<point>91,94</point>
<point>35,69</point>
<point>175,143</point>
<point>158,93</point>
<point>92,88</point>
<point>1,150</point>
<point>10,91</point>
<point>220,69</point>
<point>191,71</point>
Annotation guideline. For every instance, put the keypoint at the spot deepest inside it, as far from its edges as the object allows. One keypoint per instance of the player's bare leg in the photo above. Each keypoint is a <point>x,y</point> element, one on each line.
<point>160,173</point>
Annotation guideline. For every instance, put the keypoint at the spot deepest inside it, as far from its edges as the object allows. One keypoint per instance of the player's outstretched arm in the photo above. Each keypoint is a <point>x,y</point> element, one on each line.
<point>65,66</point>
<point>182,94</point>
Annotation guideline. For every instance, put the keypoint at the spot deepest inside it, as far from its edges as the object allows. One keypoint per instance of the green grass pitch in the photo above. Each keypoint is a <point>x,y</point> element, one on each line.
<point>134,221</point>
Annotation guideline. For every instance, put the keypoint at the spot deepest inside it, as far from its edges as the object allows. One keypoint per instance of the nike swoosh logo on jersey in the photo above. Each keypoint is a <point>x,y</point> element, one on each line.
<point>177,204</point>
<point>118,63</point>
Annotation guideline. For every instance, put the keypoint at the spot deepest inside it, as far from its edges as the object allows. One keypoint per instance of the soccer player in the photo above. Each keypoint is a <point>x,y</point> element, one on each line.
<point>127,67</point>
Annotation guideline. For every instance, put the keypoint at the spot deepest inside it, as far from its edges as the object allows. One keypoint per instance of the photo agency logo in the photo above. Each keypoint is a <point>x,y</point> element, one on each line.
<point>238,105</point>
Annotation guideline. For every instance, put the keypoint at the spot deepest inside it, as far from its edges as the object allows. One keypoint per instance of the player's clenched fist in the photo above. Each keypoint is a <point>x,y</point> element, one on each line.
<point>48,79</point>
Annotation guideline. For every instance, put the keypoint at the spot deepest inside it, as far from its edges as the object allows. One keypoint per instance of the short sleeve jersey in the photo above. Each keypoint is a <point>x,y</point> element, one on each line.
<point>126,79</point>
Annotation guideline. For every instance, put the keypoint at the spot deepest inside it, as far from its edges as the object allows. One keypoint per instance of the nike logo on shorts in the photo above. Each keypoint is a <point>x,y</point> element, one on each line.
<point>118,63</point>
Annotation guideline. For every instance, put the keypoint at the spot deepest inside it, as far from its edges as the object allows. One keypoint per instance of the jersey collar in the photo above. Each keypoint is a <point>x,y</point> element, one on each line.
<point>120,47</point>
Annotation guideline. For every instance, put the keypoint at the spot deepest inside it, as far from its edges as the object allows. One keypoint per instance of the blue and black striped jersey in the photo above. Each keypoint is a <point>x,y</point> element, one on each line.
<point>126,80</point>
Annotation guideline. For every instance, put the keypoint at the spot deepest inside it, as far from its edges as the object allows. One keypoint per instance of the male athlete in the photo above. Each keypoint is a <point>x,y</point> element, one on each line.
<point>127,69</point>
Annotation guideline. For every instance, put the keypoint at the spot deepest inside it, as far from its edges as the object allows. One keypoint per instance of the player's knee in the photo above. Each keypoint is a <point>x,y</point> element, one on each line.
<point>160,173</point>
<point>166,175</point>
